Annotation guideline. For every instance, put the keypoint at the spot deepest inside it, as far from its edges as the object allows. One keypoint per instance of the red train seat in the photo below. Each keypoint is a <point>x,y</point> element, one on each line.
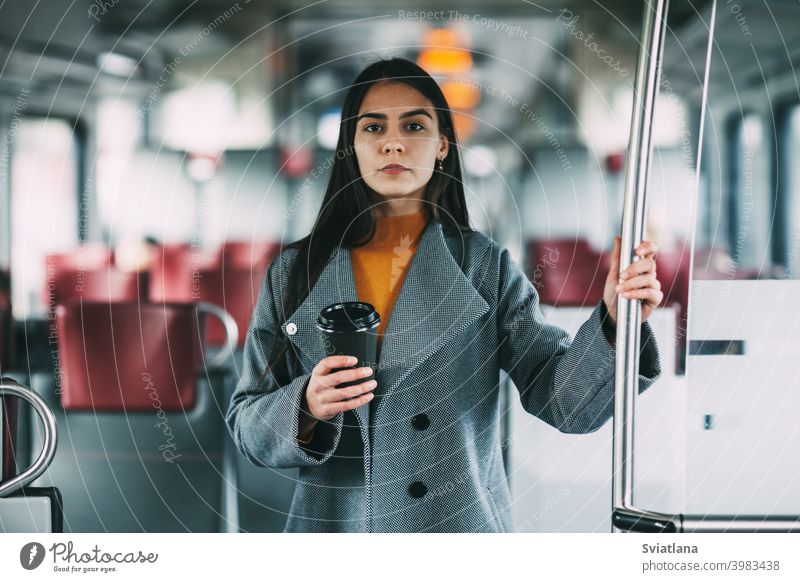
<point>120,356</point>
<point>567,272</point>
<point>176,271</point>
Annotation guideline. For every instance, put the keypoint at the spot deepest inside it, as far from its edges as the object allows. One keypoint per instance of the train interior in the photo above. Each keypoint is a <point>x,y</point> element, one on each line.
<point>155,158</point>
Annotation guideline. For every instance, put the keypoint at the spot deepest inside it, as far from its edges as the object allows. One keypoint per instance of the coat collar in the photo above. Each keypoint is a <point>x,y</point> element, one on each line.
<point>436,302</point>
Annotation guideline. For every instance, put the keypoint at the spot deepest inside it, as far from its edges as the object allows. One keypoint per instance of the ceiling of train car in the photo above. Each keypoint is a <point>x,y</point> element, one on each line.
<point>78,30</point>
<point>751,43</point>
<point>50,32</point>
<point>56,49</point>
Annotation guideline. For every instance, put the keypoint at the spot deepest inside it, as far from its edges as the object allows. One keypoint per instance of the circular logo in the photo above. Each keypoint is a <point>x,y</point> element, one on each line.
<point>31,555</point>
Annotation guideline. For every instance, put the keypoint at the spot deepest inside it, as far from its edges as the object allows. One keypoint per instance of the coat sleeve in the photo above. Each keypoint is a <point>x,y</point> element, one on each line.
<point>264,412</point>
<point>567,383</point>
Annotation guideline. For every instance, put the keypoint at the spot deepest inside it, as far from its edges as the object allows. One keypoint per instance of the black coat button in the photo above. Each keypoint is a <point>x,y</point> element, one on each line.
<point>417,489</point>
<point>421,421</point>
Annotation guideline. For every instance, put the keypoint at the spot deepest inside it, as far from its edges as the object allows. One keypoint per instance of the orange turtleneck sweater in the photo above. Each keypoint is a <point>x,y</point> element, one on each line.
<point>380,266</point>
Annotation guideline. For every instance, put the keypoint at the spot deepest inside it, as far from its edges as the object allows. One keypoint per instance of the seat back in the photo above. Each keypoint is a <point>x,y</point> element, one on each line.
<point>234,289</point>
<point>567,272</point>
<point>103,284</point>
<point>88,257</point>
<point>144,437</point>
<point>175,271</point>
<point>114,355</point>
<point>230,279</point>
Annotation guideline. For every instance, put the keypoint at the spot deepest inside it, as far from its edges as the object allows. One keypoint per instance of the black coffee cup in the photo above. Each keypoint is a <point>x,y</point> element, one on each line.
<point>348,329</point>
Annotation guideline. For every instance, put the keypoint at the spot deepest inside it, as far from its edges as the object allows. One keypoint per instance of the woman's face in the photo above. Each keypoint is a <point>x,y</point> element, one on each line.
<point>397,125</point>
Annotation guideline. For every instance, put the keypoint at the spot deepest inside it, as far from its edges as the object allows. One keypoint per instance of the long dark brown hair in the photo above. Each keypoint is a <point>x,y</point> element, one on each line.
<point>346,217</point>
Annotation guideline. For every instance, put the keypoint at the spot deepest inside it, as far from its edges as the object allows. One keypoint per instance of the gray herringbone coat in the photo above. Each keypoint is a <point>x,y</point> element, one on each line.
<point>425,454</point>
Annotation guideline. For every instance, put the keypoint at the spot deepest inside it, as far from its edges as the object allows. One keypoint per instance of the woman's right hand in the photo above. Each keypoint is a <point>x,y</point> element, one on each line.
<point>324,400</point>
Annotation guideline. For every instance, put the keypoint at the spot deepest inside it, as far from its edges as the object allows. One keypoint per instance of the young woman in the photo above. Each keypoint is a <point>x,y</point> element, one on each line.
<point>416,448</point>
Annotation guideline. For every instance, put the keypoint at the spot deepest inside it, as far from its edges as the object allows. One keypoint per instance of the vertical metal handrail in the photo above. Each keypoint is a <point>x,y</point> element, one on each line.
<point>230,488</point>
<point>625,516</point>
<point>633,224</point>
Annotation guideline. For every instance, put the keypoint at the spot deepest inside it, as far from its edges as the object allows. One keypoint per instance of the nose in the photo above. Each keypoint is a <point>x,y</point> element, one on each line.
<point>393,144</point>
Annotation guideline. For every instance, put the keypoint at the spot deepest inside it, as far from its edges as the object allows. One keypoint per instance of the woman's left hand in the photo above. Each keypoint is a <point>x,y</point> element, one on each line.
<point>638,281</point>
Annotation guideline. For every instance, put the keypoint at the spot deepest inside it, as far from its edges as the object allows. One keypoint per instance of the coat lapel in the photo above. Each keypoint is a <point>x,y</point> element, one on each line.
<point>436,302</point>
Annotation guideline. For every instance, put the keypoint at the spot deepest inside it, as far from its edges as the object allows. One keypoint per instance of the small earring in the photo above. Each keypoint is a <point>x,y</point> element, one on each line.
<point>441,165</point>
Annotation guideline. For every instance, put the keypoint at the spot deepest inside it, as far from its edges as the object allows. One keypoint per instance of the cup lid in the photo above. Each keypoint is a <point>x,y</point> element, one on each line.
<point>348,316</point>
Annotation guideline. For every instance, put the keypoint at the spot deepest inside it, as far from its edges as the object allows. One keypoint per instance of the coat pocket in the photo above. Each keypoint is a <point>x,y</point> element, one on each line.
<point>495,513</point>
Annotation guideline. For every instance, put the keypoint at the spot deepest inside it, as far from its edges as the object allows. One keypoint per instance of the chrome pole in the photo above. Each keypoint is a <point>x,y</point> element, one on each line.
<point>640,147</point>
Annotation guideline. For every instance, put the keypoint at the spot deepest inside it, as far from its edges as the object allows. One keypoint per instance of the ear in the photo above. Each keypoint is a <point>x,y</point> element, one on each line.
<point>444,145</point>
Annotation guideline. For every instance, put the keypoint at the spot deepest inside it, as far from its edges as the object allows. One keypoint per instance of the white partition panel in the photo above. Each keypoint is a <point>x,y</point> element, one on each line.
<point>562,482</point>
<point>743,432</point>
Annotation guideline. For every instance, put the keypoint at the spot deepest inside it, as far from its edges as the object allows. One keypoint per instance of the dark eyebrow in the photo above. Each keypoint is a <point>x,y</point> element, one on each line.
<point>402,115</point>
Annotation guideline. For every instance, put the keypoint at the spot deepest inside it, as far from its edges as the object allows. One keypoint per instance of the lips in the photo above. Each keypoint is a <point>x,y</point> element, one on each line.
<point>393,169</point>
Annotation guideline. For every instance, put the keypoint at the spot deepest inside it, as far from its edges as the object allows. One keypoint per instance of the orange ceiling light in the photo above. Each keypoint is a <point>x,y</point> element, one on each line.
<point>461,95</point>
<point>445,52</point>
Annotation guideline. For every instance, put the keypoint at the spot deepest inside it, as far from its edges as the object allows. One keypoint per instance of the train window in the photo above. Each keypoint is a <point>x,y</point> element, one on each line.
<point>789,149</point>
<point>44,191</point>
<point>141,191</point>
<point>119,125</point>
<point>231,94</point>
<point>750,200</point>
<point>790,153</point>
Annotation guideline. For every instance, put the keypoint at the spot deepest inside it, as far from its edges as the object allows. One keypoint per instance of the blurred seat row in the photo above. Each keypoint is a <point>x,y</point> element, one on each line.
<point>572,273</point>
<point>229,277</point>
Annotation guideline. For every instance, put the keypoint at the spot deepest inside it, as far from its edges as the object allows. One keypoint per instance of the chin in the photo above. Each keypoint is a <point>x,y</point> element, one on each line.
<point>395,195</point>
<point>392,192</point>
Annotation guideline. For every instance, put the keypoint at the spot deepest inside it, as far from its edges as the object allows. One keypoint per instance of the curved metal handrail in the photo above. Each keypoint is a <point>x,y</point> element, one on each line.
<point>231,331</point>
<point>12,388</point>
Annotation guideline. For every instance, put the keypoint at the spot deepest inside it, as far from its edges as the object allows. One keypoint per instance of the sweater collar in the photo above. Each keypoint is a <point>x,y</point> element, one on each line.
<point>391,230</point>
